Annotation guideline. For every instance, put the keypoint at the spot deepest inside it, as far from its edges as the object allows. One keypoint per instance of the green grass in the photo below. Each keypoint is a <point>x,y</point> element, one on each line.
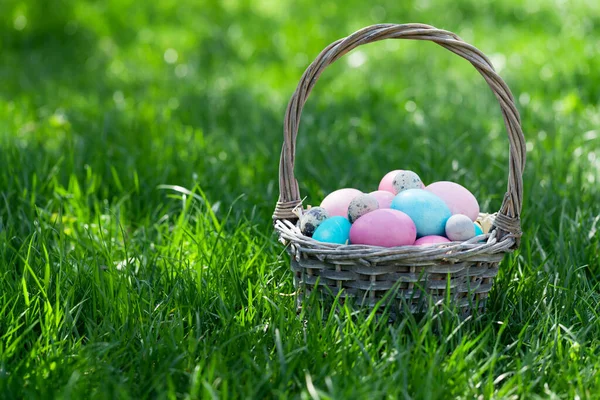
<point>117,283</point>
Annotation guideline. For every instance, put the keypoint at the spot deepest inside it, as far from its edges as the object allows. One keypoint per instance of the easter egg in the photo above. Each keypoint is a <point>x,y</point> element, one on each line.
<point>431,239</point>
<point>459,228</point>
<point>384,227</point>
<point>405,180</point>
<point>310,220</point>
<point>387,182</point>
<point>360,205</point>
<point>384,198</point>
<point>458,198</point>
<point>478,230</point>
<point>428,211</point>
<point>336,203</point>
<point>333,230</point>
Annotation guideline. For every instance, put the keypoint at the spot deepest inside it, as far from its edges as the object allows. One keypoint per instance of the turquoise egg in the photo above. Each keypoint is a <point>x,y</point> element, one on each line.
<point>428,211</point>
<point>478,230</point>
<point>333,230</point>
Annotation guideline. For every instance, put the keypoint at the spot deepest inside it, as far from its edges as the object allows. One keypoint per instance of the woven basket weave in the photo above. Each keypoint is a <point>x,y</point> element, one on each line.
<point>415,276</point>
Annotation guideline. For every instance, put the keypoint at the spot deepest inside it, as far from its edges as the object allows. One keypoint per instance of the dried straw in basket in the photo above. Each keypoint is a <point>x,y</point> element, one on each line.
<point>409,275</point>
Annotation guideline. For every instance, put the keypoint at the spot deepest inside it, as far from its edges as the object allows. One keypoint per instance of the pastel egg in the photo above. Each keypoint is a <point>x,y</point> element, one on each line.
<point>384,198</point>
<point>428,211</point>
<point>333,230</point>
<point>458,198</point>
<point>387,182</point>
<point>361,205</point>
<point>384,227</point>
<point>431,239</point>
<point>478,230</point>
<point>459,228</point>
<point>311,220</point>
<point>336,203</point>
<point>405,180</point>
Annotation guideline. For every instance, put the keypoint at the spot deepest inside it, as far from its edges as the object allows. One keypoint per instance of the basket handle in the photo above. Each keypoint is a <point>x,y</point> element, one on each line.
<point>507,221</point>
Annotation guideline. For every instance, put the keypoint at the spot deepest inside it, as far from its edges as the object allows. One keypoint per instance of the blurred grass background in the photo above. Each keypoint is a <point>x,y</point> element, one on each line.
<point>102,102</point>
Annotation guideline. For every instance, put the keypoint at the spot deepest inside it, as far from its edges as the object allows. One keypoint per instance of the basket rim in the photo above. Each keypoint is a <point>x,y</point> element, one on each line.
<point>448,252</point>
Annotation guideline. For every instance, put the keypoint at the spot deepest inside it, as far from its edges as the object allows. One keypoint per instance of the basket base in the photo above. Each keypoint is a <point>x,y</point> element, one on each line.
<point>397,289</point>
<point>394,310</point>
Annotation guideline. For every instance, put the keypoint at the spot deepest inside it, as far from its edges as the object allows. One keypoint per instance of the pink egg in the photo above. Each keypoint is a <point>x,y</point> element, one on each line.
<point>384,227</point>
<point>336,203</point>
<point>384,198</point>
<point>431,239</point>
<point>456,197</point>
<point>387,182</point>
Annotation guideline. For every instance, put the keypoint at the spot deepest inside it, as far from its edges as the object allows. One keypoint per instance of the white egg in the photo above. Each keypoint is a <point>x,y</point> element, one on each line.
<point>361,205</point>
<point>459,228</point>
<point>405,180</point>
<point>311,220</point>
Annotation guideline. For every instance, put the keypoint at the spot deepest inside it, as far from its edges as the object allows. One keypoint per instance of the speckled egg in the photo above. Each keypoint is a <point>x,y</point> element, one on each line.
<point>458,198</point>
<point>459,228</point>
<point>428,211</point>
<point>384,198</point>
<point>361,205</point>
<point>336,203</point>
<point>431,239</point>
<point>311,220</point>
<point>333,230</point>
<point>405,180</point>
<point>387,182</point>
<point>384,227</point>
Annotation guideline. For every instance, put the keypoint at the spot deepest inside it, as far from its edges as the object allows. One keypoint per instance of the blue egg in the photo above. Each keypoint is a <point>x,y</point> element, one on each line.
<point>428,211</point>
<point>478,230</point>
<point>333,230</point>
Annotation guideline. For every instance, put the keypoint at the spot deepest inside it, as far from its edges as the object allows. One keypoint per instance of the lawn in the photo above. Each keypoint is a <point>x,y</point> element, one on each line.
<point>139,149</point>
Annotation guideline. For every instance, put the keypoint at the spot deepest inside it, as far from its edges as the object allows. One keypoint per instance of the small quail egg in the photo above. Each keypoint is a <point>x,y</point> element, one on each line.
<point>361,205</point>
<point>311,220</point>
<point>405,180</point>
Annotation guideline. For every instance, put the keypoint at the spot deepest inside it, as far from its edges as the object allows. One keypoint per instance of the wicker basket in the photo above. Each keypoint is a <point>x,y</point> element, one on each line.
<point>413,276</point>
